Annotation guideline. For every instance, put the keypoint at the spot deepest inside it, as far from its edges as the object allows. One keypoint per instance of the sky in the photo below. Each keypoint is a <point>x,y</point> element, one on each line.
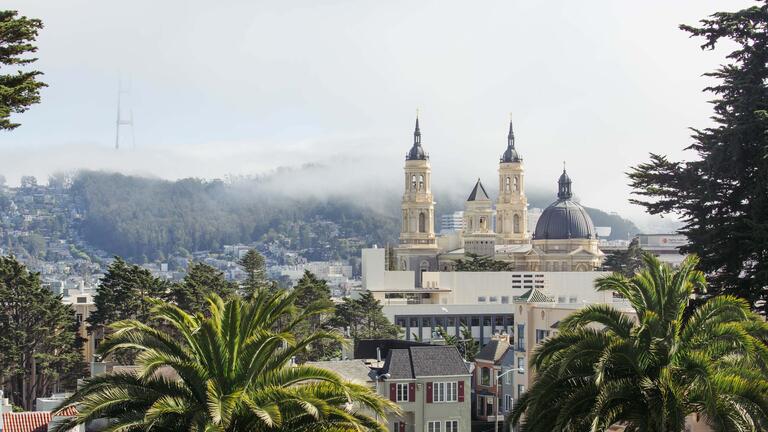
<point>245,87</point>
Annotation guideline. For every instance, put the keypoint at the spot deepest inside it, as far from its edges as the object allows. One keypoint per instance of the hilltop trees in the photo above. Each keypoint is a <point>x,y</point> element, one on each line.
<point>723,195</point>
<point>18,90</point>
<point>477,263</point>
<point>234,374</point>
<point>605,368</point>
<point>313,294</point>
<point>39,345</point>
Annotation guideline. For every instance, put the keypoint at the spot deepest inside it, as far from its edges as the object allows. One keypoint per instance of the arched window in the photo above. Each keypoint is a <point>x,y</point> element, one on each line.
<point>421,182</point>
<point>405,221</point>
<point>506,184</point>
<point>422,222</point>
<point>485,376</point>
<point>413,182</point>
<point>482,223</point>
<point>469,224</point>
<point>516,223</point>
<point>517,185</point>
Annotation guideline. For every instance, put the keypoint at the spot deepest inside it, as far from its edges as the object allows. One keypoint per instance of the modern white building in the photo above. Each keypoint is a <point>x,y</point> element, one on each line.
<point>453,222</point>
<point>481,301</point>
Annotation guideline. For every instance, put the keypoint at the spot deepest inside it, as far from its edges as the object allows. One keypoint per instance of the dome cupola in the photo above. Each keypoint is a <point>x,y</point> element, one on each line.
<point>564,219</point>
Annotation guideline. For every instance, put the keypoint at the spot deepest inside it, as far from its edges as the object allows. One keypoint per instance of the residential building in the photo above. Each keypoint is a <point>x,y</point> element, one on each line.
<point>431,385</point>
<point>486,384</point>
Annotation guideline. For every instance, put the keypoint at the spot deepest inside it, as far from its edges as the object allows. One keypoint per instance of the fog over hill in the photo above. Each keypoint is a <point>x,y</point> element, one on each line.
<point>147,218</point>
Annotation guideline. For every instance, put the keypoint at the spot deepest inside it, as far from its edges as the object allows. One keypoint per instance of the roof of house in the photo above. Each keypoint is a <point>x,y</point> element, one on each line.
<point>534,296</point>
<point>366,348</point>
<point>352,370</point>
<point>30,421</point>
<point>493,351</point>
<point>424,361</point>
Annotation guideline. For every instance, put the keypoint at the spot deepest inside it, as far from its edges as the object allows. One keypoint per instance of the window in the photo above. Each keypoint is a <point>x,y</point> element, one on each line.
<point>421,182</point>
<point>433,426</point>
<point>517,184</point>
<point>516,224</point>
<point>481,299</point>
<point>82,299</point>
<point>402,392</point>
<point>561,299</point>
<point>508,378</point>
<point>572,300</point>
<point>498,321</point>
<point>504,299</point>
<point>400,322</point>
<point>414,322</point>
<point>506,184</point>
<point>485,376</point>
<point>521,364</point>
<point>79,318</point>
<point>541,335</point>
<point>413,182</point>
<point>493,299</point>
<point>521,337</point>
<point>422,222</point>
<point>450,321</point>
<point>451,426</point>
<point>520,390</point>
<point>508,402</point>
<point>445,391</point>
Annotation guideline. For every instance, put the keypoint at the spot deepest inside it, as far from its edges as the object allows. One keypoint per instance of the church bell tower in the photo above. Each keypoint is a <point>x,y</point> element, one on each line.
<point>512,205</point>
<point>418,245</point>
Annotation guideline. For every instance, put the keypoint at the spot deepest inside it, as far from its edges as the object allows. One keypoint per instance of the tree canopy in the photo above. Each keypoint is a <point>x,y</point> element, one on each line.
<point>604,367</point>
<point>40,349</point>
<point>626,262</point>
<point>722,196</point>
<point>477,263</point>
<point>201,280</point>
<point>363,318</point>
<point>231,371</point>
<point>21,89</point>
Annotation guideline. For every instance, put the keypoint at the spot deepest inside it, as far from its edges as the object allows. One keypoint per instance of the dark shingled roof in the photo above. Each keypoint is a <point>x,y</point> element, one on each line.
<point>493,351</point>
<point>424,361</point>
<point>478,193</point>
<point>366,348</point>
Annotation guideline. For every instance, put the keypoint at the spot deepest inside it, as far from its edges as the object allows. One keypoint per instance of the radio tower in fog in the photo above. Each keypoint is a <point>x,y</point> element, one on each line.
<point>123,121</point>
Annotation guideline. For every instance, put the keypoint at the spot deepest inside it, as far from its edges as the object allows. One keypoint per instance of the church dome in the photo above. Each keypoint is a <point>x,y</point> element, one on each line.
<point>564,219</point>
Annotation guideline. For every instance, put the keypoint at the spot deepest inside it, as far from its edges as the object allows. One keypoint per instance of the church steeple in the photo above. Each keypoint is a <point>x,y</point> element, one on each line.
<point>417,152</point>
<point>564,186</point>
<point>510,154</point>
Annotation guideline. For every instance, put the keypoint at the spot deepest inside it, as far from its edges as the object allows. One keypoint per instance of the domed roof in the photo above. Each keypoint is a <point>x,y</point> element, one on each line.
<point>564,219</point>
<point>510,154</point>
<point>417,151</point>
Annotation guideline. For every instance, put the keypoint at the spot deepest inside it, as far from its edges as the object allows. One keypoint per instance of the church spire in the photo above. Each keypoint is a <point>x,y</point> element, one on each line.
<point>417,152</point>
<point>564,185</point>
<point>510,154</point>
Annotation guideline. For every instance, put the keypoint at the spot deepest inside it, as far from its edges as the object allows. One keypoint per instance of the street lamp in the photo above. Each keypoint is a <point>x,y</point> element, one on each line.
<point>498,396</point>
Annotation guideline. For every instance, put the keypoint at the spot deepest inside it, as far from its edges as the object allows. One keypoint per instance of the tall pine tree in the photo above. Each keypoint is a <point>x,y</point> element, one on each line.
<point>201,280</point>
<point>40,350</point>
<point>125,292</point>
<point>722,196</point>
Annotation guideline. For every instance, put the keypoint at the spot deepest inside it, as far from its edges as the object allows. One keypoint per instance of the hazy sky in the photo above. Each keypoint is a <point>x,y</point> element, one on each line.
<point>245,86</point>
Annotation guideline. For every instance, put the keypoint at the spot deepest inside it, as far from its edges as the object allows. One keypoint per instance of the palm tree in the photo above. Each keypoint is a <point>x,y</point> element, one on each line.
<point>228,370</point>
<point>649,372</point>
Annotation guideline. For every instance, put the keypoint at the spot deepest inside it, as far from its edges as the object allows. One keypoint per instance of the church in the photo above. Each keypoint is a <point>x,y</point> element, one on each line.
<point>564,239</point>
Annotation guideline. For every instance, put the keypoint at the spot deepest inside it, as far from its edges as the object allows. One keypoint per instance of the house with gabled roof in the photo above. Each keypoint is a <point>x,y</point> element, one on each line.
<point>431,385</point>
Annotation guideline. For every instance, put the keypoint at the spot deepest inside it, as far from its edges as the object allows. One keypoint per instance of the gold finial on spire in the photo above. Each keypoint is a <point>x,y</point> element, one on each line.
<point>563,166</point>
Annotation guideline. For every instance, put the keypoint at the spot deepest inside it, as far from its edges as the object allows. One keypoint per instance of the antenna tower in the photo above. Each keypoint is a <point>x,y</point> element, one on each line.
<point>121,121</point>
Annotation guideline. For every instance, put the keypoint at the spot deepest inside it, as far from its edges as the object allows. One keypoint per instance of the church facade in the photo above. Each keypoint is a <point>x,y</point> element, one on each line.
<point>564,239</point>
